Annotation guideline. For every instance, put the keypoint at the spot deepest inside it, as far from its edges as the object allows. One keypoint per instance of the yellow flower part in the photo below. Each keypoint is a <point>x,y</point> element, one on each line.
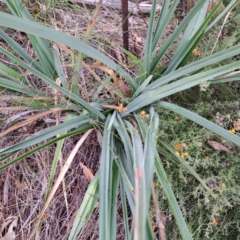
<point>196,52</point>
<point>153,226</point>
<point>177,146</point>
<point>177,153</point>
<point>232,131</point>
<point>222,186</point>
<point>3,91</point>
<point>208,159</point>
<point>184,154</point>
<point>203,151</point>
<point>143,114</point>
<point>120,108</point>
<point>98,63</point>
<point>176,118</point>
<point>215,221</point>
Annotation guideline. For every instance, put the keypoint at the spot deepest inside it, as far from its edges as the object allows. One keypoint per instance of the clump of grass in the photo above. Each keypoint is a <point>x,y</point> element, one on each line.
<point>136,148</point>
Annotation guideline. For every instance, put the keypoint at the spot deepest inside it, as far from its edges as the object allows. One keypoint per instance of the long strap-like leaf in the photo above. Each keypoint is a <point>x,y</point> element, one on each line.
<point>201,121</point>
<point>24,25</point>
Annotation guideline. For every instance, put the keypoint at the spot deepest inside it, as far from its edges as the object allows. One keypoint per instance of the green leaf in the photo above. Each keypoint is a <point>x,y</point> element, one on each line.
<point>79,57</point>
<point>222,14</point>
<point>18,87</point>
<point>120,160</point>
<point>125,211</point>
<point>151,96</point>
<point>141,74</point>
<point>127,161</point>
<point>195,66</point>
<point>114,199</point>
<point>163,20</point>
<point>79,130</point>
<point>148,43</point>
<point>149,135</point>
<point>105,183</point>
<point>201,121</point>
<point>149,231</point>
<point>59,69</point>
<point>24,25</point>
<point>174,35</point>
<point>194,33</point>
<point>186,235</point>
<point>9,73</point>
<point>199,36</point>
<point>55,161</point>
<point>86,209</point>
<point>76,122</point>
<point>141,203</point>
<point>193,27</point>
<point>233,78</point>
<point>113,118</point>
<point>92,110</point>
<point>142,86</point>
<point>149,150</point>
<point>18,49</point>
<point>40,45</point>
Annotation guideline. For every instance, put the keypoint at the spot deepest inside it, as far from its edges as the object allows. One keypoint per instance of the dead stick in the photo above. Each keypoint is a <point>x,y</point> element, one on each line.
<point>125,24</point>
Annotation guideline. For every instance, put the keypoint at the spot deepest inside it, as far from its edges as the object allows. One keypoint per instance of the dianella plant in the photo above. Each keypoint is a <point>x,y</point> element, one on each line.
<point>132,150</point>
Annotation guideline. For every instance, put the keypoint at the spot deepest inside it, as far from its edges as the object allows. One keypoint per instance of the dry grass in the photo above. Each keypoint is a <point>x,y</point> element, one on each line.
<point>27,184</point>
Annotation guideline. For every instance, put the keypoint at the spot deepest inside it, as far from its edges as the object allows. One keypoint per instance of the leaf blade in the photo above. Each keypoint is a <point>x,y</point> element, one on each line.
<point>24,25</point>
<point>201,121</point>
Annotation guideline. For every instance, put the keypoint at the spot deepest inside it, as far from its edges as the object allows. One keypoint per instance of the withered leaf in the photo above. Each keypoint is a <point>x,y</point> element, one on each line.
<point>219,147</point>
<point>236,125</point>
<point>87,172</point>
<point>9,228</point>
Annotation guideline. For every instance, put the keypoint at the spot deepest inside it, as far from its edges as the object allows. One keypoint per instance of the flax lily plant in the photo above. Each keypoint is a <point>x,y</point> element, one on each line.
<point>132,149</point>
